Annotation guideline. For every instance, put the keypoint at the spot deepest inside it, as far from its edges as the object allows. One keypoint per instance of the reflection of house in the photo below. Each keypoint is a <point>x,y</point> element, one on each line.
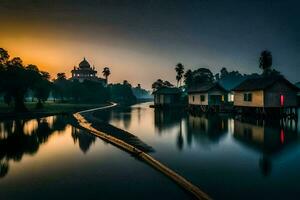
<point>269,140</point>
<point>201,128</point>
<point>167,96</point>
<point>211,95</point>
<point>167,119</point>
<point>85,72</point>
<point>265,94</point>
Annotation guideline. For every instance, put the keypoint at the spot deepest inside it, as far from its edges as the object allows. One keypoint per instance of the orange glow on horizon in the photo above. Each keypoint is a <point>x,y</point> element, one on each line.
<point>56,56</point>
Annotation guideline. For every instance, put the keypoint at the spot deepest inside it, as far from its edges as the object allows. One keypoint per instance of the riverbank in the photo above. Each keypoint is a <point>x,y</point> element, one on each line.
<point>49,108</point>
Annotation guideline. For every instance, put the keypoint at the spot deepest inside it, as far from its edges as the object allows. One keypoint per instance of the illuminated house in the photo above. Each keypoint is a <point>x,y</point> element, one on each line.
<point>86,72</point>
<point>209,96</point>
<point>266,94</point>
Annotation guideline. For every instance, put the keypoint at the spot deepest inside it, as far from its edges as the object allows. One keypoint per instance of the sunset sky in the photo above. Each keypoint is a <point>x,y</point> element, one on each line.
<point>142,40</point>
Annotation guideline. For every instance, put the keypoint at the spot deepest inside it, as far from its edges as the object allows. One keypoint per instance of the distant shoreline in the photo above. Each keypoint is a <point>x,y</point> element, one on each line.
<point>48,110</point>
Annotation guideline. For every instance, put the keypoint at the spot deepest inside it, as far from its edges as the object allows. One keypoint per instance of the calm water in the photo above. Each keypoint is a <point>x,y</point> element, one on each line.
<point>229,159</point>
<point>49,159</point>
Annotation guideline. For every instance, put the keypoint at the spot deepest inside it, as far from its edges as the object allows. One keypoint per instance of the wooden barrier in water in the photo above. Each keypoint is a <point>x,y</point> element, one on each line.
<point>185,184</point>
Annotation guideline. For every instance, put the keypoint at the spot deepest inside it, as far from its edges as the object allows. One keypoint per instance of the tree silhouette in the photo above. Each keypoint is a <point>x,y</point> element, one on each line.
<point>179,70</point>
<point>122,93</point>
<point>198,77</point>
<point>16,80</point>
<point>188,78</point>
<point>223,72</point>
<point>61,76</point>
<point>4,56</point>
<point>39,84</point>
<point>15,83</point>
<point>106,73</point>
<point>265,61</point>
<point>61,87</point>
<point>160,83</point>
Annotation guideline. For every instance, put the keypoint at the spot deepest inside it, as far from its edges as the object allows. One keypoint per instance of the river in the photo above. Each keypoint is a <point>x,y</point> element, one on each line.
<point>227,158</point>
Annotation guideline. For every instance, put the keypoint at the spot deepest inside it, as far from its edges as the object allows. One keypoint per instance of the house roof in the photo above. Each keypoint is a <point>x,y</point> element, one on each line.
<point>205,88</point>
<point>168,90</point>
<point>262,83</point>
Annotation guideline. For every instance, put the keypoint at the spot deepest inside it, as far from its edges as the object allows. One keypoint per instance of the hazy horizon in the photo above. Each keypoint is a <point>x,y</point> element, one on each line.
<point>142,41</point>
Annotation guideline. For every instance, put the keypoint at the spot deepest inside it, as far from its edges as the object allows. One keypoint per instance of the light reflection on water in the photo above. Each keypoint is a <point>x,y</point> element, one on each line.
<point>49,158</point>
<point>227,158</point>
<point>220,153</point>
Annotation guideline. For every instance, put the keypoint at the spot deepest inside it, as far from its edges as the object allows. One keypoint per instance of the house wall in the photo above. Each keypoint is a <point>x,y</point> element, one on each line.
<point>163,99</point>
<point>272,95</point>
<point>217,93</point>
<point>257,99</point>
<point>167,99</point>
<point>197,100</point>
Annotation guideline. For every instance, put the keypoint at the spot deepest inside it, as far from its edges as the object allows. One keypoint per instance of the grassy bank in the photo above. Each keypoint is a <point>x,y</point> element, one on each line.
<point>49,108</point>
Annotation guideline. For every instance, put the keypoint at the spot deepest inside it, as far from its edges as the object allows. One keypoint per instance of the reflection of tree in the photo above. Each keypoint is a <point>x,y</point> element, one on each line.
<point>16,142</point>
<point>266,137</point>
<point>85,140</point>
<point>139,114</point>
<point>119,114</point>
<point>180,138</point>
<point>265,165</point>
<point>166,119</point>
<point>206,129</point>
<point>3,169</point>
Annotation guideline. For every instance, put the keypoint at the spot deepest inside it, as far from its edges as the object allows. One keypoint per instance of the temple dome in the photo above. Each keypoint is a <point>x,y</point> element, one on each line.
<point>84,64</point>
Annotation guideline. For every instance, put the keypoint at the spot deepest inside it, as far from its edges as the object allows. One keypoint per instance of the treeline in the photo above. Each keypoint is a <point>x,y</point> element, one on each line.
<point>91,91</point>
<point>16,80</point>
<point>64,90</point>
<point>141,93</point>
<point>228,79</point>
<point>19,82</point>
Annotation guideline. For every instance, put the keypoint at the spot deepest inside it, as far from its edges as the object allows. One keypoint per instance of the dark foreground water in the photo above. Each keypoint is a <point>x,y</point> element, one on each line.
<point>229,159</point>
<point>47,158</point>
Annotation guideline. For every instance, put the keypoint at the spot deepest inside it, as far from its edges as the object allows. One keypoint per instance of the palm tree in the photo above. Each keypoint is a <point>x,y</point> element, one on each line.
<point>265,61</point>
<point>106,73</point>
<point>179,70</point>
<point>188,78</point>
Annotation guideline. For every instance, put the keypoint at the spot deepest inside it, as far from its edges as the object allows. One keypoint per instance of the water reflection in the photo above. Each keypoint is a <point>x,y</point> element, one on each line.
<point>21,137</point>
<point>270,139</point>
<point>167,119</point>
<point>120,115</point>
<point>206,129</point>
<point>84,139</point>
